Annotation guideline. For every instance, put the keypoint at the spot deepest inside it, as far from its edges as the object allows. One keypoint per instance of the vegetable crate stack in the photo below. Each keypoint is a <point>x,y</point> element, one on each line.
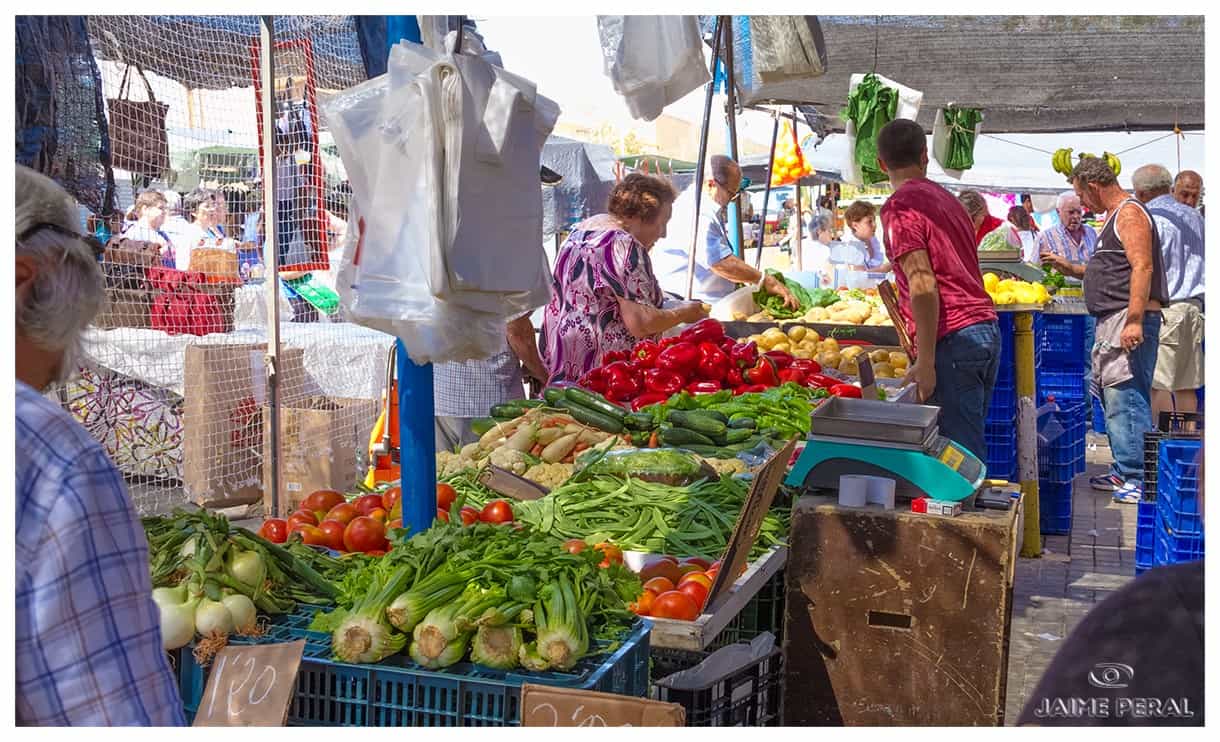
<point>1179,508</point>
<point>1001,429</point>
<point>1063,366</point>
<point>1060,458</point>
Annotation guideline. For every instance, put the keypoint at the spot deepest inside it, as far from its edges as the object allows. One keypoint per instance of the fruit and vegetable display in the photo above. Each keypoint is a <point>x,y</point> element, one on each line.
<point>826,306</point>
<point>213,579</point>
<point>675,588</point>
<point>1012,291</point>
<point>551,434</point>
<point>807,298</point>
<point>827,353</point>
<point>789,164</point>
<point>329,519</point>
<point>1052,279</point>
<point>495,595</point>
<point>712,424</point>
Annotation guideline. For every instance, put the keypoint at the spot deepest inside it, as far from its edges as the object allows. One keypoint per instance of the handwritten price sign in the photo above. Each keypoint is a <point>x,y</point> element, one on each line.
<point>250,686</point>
<point>545,706</point>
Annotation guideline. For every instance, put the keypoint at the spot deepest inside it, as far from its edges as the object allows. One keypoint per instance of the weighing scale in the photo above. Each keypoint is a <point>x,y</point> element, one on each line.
<point>1009,261</point>
<point>898,441</point>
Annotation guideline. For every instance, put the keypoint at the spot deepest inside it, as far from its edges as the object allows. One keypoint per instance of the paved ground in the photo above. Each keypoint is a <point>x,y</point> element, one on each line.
<point>1052,594</point>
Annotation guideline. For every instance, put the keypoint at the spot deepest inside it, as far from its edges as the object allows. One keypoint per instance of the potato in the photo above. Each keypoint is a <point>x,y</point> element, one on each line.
<point>883,371</point>
<point>898,360</point>
<point>739,316</point>
<point>802,352</point>
<point>782,347</point>
<point>852,351</point>
<point>849,367</point>
<point>774,335</point>
<point>830,359</point>
<point>808,345</point>
<point>830,344</point>
<point>756,339</point>
<point>797,334</point>
<point>879,356</point>
<point>812,336</point>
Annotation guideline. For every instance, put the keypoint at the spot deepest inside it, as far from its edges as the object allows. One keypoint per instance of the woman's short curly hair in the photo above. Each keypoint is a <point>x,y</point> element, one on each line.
<point>858,210</point>
<point>640,197</point>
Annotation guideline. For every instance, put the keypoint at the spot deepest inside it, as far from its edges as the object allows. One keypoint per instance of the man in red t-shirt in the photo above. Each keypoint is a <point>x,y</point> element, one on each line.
<point>929,239</point>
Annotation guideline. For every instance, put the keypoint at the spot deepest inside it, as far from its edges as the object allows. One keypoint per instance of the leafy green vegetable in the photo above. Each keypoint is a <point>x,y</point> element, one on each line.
<point>961,123</point>
<point>870,106</point>
<point>1052,279</point>
<point>823,297</point>
<point>774,305</point>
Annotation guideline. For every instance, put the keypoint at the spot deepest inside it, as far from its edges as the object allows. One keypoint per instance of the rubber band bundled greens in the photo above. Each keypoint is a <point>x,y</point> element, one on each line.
<point>961,123</point>
<point>870,106</point>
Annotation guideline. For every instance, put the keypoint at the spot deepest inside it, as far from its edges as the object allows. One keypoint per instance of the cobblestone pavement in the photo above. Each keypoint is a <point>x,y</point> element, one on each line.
<point>1076,572</point>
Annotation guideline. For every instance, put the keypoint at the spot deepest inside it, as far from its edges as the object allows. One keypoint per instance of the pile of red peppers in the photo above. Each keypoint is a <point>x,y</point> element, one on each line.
<point>701,360</point>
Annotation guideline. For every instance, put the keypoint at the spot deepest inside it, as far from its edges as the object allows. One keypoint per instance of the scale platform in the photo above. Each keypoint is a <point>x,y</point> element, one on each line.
<point>898,441</point>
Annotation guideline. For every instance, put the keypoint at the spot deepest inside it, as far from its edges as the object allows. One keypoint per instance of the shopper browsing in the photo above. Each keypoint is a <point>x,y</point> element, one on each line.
<point>862,250</point>
<point>929,239</point>
<point>88,639</point>
<point>1187,187</point>
<point>984,223</point>
<point>150,211</point>
<point>1068,245</point>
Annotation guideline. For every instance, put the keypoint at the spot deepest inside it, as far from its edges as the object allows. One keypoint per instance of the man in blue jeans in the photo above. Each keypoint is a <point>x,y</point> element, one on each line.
<point>1124,289</point>
<point>929,240</point>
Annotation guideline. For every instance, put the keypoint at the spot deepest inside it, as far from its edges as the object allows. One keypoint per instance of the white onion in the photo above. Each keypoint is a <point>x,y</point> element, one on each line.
<point>164,596</point>
<point>212,616</point>
<point>177,624</point>
<point>242,611</point>
<point>248,568</point>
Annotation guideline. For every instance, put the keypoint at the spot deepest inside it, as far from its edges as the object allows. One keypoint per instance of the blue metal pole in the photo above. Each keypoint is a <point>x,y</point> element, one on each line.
<point>416,408</point>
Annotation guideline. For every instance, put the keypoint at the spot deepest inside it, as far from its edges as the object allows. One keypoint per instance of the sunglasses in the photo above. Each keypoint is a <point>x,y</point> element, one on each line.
<point>745,183</point>
<point>94,244</point>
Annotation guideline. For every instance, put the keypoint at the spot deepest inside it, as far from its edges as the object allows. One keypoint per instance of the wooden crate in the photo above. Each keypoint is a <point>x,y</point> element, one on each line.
<point>895,618</point>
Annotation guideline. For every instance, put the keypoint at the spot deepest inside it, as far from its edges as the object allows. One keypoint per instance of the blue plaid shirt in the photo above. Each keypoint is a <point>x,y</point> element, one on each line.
<point>88,640</point>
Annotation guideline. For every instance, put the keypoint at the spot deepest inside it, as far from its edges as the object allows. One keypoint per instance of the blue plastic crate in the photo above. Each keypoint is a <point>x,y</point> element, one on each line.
<point>1063,341</point>
<point>397,692</point>
<point>1145,535</point>
<point>1055,507</point>
<point>1001,440</point>
<point>1065,386</point>
<point>1178,503</point>
<point>1003,407</point>
<point>1007,373</point>
<point>1173,549</point>
<point>1179,456</point>
<point>1061,442</point>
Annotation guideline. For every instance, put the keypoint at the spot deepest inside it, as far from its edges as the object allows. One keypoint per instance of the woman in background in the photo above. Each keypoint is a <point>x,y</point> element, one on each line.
<point>149,212</point>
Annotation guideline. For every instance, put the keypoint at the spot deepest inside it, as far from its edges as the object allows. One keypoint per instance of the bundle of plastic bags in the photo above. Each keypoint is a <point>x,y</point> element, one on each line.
<point>443,154</point>
<point>775,56</point>
<point>652,60</point>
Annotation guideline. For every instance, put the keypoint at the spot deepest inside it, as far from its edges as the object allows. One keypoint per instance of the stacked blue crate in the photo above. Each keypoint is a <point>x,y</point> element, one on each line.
<point>1062,372</point>
<point>1060,458</point>
<point>1001,428</point>
<point>1145,535</point>
<point>1179,533</point>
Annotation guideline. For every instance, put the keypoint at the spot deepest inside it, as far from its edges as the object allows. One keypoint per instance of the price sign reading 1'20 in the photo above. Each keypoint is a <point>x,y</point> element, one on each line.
<point>250,685</point>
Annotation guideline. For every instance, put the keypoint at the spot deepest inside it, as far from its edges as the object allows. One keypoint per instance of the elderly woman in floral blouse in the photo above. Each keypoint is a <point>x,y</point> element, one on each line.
<point>604,295</point>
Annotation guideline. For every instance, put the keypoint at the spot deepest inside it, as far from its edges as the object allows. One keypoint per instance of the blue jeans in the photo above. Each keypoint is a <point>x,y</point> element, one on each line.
<point>966,365</point>
<point>1128,406</point>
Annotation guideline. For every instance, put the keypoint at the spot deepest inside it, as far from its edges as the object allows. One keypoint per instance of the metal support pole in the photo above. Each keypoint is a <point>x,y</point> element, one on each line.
<point>730,115</point>
<point>1027,431</point>
<point>762,233</point>
<point>701,165</point>
<point>800,222</point>
<point>271,256</point>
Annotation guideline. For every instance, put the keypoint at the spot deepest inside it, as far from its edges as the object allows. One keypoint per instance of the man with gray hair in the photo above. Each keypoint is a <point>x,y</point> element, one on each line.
<point>1179,362</point>
<point>1187,187</point>
<point>1068,245</point>
<point>717,270</point>
<point>88,638</point>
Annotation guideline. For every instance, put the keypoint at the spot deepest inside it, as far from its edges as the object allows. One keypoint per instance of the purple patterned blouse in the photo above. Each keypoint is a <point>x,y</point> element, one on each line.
<point>599,262</point>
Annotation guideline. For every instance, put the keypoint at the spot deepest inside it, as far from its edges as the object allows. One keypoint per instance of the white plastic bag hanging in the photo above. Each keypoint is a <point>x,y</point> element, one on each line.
<point>652,60</point>
<point>909,101</point>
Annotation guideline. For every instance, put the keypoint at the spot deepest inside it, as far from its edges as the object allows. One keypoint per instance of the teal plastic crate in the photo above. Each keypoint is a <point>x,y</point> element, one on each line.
<point>397,692</point>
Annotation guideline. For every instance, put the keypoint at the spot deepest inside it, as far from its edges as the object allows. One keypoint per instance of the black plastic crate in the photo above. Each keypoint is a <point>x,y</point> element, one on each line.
<point>764,612</point>
<point>747,697</point>
<point>1172,425</point>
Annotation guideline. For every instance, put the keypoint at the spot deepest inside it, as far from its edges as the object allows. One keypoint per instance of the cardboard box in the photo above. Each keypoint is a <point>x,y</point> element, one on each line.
<point>217,264</point>
<point>222,424</point>
<point>321,439</point>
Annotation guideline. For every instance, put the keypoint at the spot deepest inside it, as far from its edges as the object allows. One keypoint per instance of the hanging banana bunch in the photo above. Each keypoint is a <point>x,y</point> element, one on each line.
<point>1061,161</point>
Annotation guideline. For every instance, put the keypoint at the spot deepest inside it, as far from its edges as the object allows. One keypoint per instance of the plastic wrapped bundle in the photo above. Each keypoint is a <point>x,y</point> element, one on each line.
<point>653,60</point>
<point>775,56</point>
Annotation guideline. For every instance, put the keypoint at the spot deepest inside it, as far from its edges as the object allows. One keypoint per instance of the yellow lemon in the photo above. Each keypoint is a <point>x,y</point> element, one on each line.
<point>990,280</point>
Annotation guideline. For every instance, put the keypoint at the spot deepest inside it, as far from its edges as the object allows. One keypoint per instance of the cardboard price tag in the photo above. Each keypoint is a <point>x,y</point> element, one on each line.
<point>250,686</point>
<point>547,706</point>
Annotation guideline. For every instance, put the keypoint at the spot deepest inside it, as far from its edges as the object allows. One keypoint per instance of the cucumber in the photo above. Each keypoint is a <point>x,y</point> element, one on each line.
<point>639,421</point>
<point>737,435</point>
<point>483,424</point>
<point>771,433</point>
<point>698,422</point>
<point>508,409</point>
<point>596,402</point>
<point>707,452</point>
<point>593,418</point>
<point>553,396</point>
<point>716,415</point>
<point>742,422</point>
<point>528,403</point>
<point>682,437</point>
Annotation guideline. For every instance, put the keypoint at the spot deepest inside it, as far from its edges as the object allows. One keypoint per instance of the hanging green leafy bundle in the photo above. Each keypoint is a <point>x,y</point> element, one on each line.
<point>870,106</point>
<point>961,123</point>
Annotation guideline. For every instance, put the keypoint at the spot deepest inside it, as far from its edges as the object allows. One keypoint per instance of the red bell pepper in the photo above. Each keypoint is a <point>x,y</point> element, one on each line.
<point>613,356</point>
<point>703,387</point>
<point>794,375</point>
<point>846,390</point>
<point>782,360</point>
<point>664,343</point>
<point>645,353</point>
<point>744,355</point>
<point>703,331</point>
<point>726,345</point>
<point>763,373</point>
<point>622,392</point>
<point>820,381</point>
<point>749,389</point>
<point>594,381</point>
<point>713,363</point>
<point>662,381</point>
<point>646,399</point>
<point>807,366</point>
<point>682,358</point>
<point>734,378</point>
<point>622,381</point>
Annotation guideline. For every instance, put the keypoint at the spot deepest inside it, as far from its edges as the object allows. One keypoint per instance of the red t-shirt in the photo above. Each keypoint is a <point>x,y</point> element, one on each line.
<point>923,216</point>
<point>989,223</point>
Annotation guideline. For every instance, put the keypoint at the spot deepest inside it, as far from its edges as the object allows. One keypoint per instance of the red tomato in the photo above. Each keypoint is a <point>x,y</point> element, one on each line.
<point>663,568</point>
<point>687,568</point>
<point>698,577</point>
<point>611,554</point>
<point>390,497</point>
<point>333,530</point>
<point>470,516</point>
<point>379,514</point>
<point>311,535</point>
<point>274,530</point>
<point>445,495</point>
<point>303,518</point>
<point>676,605</point>
<point>643,605</point>
<point>364,534</point>
<point>696,591</point>
<point>497,511</point>
<point>659,585</point>
<point>574,546</point>
<point>376,552</point>
<point>367,504</point>
<point>716,565</point>
<point>442,515</point>
<point>702,563</point>
<point>344,513</point>
<point>322,501</point>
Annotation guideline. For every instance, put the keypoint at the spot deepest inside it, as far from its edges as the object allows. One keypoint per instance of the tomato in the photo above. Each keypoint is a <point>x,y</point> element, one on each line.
<point>470,516</point>
<point>445,495</point>
<point>663,568</point>
<point>442,515</point>
<point>659,585</point>
<point>302,518</point>
<point>497,511</point>
<point>574,546</point>
<point>396,523</point>
<point>390,497</point>
<point>274,530</point>
<point>611,554</point>
<point>703,564</point>
<point>333,530</point>
<point>364,534</point>
<point>311,535</point>
<point>711,574</point>
<point>715,565</point>
<point>698,577</point>
<point>367,504</point>
<point>379,514</point>
<point>344,513</point>
<point>643,605</point>
<point>322,501</point>
<point>687,568</point>
<point>676,605</point>
<point>696,591</point>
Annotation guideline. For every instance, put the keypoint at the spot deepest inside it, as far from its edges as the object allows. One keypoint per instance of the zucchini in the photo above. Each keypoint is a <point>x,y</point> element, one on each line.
<point>707,452</point>
<point>737,435</point>
<point>553,396</point>
<point>698,422</point>
<point>508,409</point>
<point>683,437</point>
<point>594,401</point>
<point>639,421</point>
<point>483,424</point>
<point>593,418</point>
<point>771,433</point>
<point>742,420</point>
<point>716,415</point>
<point>529,404</point>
